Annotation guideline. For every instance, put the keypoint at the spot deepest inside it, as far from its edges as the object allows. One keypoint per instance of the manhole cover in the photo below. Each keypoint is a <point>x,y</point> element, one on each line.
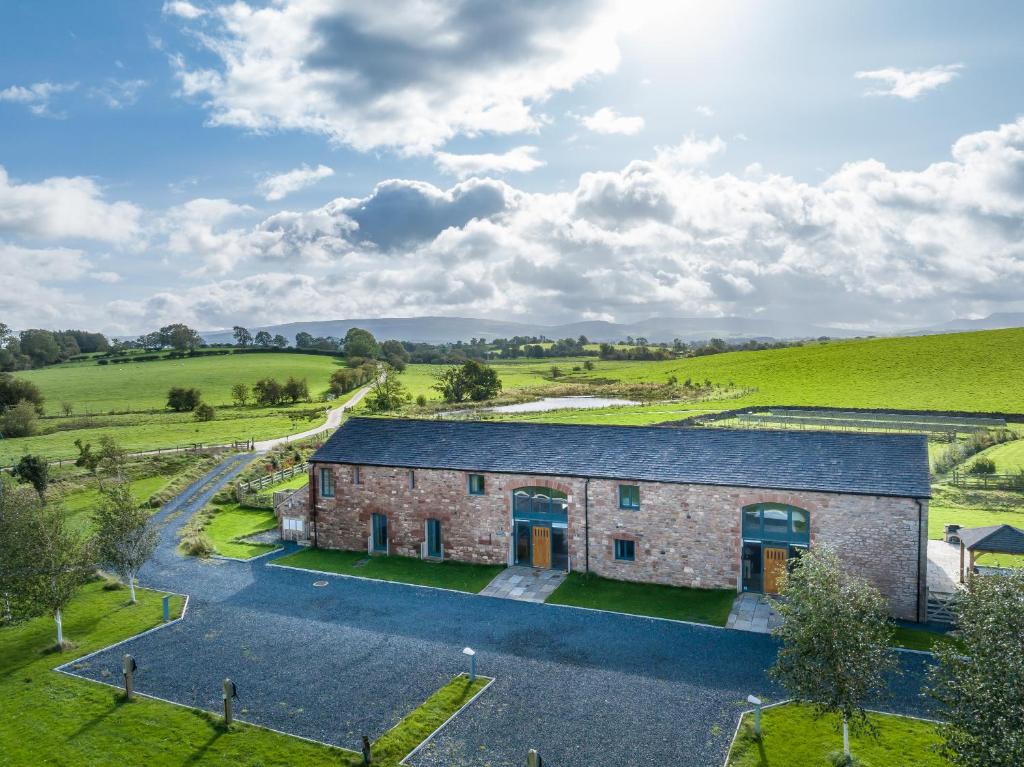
<point>319,584</point>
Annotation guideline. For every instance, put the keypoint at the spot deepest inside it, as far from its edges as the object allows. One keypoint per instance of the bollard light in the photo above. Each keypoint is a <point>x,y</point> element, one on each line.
<point>756,703</point>
<point>128,669</point>
<point>472,662</point>
<point>167,608</point>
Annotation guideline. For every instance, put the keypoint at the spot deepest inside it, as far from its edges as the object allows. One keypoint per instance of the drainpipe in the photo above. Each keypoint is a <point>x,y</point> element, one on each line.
<point>920,516</point>
<point>312,506</point>
<point>586,523</point>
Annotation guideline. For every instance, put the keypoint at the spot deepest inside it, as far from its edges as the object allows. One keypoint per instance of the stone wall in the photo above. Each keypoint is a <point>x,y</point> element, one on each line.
<point>685,535</point>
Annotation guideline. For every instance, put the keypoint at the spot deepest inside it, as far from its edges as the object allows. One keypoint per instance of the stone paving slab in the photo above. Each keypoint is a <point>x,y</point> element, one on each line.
<point>525,584</point>
<point>753,612</point>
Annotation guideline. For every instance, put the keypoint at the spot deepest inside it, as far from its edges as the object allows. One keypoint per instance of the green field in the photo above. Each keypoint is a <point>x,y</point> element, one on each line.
<point>793,737</point>
<point>134,386</point>
<point>975,372</point>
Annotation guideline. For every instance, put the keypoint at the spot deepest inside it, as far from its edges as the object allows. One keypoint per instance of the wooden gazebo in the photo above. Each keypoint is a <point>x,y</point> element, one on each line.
<point>994,539</point>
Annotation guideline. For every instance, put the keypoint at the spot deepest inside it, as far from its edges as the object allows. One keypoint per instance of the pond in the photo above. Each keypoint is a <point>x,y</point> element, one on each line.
<point>559,403</point>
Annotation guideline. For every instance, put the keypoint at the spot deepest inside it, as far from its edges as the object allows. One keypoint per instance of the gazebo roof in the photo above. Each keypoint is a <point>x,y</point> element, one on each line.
<point>997,539</point>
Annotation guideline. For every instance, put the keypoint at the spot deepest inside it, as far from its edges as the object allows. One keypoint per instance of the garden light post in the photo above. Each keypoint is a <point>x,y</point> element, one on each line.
<point>167,608</point>
<point>230,693</point>
<point>756,703</point>
<point>533,759</point>
<point>472,662</point>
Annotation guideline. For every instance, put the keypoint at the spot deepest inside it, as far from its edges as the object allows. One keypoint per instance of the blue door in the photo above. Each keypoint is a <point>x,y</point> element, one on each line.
<point>434,538</point>
<point>380,533</point>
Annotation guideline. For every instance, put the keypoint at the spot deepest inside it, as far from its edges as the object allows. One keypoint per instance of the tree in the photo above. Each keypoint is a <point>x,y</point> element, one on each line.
<point>112,458</point>
<point>40,346</point>
<point>20,420</point>
<point>263,339</point>
<point>14,390</point>
<point>361,343</point>
<point>395,354</point>
<point>17,507</point>
<point>280,341</point>
<point>180,337</point>
<point>296,389</point>
<point>835,640</point>
<point>125,536</point>
<point>982,466</point>
<point>204,412</point>
<point>472,380</point>
<point>268,391</point>
<point>387,393</point>
<point>181,400</point>
<point>60,561</point>
<point>242,336</point>
<point>87,459</point>
<point>240,394</point>
<point>303,340</point>
<point>35,471</point>
<point>979,682</point>
<point>67,408</point>
<point>588,365</point>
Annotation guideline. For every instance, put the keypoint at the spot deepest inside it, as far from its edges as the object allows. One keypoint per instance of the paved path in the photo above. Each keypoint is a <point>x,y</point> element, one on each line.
<point>943,566</point>
<point>333,421</point>
<point>524,584</point>
<point>753,612</point>
<point>588,688</point>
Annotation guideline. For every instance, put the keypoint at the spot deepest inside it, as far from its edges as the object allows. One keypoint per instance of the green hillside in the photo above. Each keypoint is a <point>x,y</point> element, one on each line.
<point>143,385</point>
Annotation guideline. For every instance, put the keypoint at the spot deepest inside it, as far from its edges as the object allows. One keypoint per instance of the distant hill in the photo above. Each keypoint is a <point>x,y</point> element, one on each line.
<point>997,321</point>
<point>449,329</point>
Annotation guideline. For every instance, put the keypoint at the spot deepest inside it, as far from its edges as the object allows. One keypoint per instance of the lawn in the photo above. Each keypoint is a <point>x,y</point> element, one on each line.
<point>229,522</point>
<point>916,638</point>
<point>50,718</point>
<point>93,388</point>
<point>80,504</point>
<point>458,576</point>
<point>792,737</point>
<point>149,431</point>
<point>1008,457</point>
<point>698,605</point>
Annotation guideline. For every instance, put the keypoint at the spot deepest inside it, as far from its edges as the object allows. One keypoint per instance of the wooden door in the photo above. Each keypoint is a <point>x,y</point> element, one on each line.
<point>541,546</point>
<point>774,567</point>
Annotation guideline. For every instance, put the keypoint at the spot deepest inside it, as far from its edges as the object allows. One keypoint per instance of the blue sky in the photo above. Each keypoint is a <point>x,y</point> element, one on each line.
<point>252,163</point>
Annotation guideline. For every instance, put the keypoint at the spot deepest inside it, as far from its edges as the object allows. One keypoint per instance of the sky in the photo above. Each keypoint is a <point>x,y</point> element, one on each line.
<point>852,165</point>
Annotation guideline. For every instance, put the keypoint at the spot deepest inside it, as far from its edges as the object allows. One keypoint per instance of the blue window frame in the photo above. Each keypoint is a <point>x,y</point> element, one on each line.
<point>380,533</point>
<point>326,483</point>
<point>476,484</point>
<point>412,479</point>
<point>629,497</point>
<point>777,522</point>
<point>433,538</point>
<point>357,478</point>
<point>625,551</point>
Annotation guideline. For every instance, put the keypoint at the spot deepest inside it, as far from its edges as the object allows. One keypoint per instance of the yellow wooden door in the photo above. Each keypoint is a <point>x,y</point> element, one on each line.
<point>774,567</point>
<point>541,546</point>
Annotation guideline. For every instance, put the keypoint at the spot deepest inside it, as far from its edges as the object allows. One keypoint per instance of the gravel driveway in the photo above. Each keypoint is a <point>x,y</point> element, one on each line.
<point>353,657</point>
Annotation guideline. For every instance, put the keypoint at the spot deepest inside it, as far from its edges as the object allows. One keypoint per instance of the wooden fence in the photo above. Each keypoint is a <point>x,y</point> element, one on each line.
<point>989,481</point>
<point>273,478</point>
<point>942,606</point>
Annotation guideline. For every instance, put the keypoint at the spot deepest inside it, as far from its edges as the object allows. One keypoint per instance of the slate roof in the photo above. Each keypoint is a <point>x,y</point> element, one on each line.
<point>871,464</point>
<point>1000,539</point>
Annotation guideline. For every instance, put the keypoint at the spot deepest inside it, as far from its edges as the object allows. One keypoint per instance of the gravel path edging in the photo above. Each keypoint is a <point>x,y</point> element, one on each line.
<point>445,723</point>
<point>184,610</point>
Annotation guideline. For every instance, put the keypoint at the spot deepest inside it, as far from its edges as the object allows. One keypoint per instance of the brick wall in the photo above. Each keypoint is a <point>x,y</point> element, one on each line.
<point>685,535</point>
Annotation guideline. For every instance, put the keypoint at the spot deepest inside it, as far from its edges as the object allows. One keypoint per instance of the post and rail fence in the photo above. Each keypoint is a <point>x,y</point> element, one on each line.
<point>989,481</point>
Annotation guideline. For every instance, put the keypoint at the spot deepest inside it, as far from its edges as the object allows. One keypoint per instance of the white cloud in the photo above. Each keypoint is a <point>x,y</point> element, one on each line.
<point>868,245</point>
<point>521,159</point>
<point>117,94</point>
<point>690,151</point>
<point>607,120</point>
<point>908,84</point>
<point>704,111</point>
<point>196,229</point>
<point>60,208</point>
<point>183,9</point>
<point>109,278</point>
<point>279,186</point>
<point>36,96</point>
<point>408,75</point>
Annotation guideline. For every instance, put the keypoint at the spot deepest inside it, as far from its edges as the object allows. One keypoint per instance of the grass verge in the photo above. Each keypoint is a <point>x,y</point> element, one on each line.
<point>224,525</point>
<point>49,718</point>
<point>793,737</point>
<point>458,576</point>
<point>698,605</point>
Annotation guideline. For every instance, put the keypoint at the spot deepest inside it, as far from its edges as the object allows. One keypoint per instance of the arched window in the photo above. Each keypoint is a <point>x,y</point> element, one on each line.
<point>539,501</point>
<point>776,522</point>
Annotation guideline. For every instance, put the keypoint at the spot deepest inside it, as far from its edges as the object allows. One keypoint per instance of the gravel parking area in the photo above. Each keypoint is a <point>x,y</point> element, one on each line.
<point>332,663</point>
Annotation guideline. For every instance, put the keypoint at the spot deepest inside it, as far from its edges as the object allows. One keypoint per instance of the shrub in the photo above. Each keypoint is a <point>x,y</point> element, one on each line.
<point>182,400</point>
<point>268,391</point>
<point>197,544</point>
<point>204,412</point>
<point>982,466</point>
<point>20,420</point>
<point>421,400</point>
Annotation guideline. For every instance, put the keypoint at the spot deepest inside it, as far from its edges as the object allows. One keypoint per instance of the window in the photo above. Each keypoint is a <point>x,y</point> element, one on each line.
<point>412,479</point>
<point>357,478</point>
<point>629,497</point>
<point>777,523</point>
<point>326,483</point>
<point>476,484</point>
<point>293,524</point>
<point>625,551</point>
